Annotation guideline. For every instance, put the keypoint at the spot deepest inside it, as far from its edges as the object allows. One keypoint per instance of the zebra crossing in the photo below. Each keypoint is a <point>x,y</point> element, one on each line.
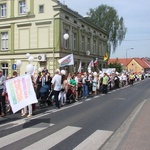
<point>93,141</point>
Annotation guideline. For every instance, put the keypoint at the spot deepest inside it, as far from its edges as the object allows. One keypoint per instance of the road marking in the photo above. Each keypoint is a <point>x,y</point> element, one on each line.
<point>66,107</point>
<point>96,96</point>
<point>115,139</point>
<point>13,124</point>
<point>88,99</point>
<point>53,139</point>
<point>9,139</point>
<point>94,141</point>
<point>25,120</point>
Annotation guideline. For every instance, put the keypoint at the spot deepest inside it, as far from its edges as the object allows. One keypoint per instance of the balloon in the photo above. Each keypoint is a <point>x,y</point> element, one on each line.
<point>66,36</point>
<point>89,71</point>
<point>89,68</point>
<point>40,69</point>
<point>95,73</point>
<point>27,55</point>
<point>63,72</point>
<point>31,58</point>
<point>18,63</point>
<point>29,69</point>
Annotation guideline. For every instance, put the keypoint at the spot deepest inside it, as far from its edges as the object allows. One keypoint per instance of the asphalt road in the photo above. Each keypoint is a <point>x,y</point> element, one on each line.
<point>86,124</point>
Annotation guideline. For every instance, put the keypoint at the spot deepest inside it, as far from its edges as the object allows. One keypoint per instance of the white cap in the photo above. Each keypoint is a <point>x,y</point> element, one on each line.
<point>63,72</point>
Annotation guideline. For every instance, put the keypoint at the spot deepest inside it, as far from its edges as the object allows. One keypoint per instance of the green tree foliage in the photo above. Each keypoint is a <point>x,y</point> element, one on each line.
<point>116,65</point>
<point>106,17</point>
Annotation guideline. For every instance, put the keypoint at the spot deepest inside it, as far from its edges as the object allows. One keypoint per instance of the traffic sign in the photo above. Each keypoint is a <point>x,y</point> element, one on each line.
<point>13,66</point>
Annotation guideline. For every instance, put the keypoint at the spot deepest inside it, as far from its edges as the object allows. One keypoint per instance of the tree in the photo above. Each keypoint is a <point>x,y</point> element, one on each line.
<point>116,65</point>
<point>106,17</point>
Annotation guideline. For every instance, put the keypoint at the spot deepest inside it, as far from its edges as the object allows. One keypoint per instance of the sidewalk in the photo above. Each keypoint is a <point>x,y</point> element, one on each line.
<point>138,135</point>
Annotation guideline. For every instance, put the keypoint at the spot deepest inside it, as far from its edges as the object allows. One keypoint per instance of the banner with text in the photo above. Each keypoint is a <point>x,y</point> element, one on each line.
<point>66,61</point>
<point>20,92</point>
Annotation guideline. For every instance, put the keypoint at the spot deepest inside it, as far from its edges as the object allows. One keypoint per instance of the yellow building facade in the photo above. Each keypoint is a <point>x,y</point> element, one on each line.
<point>38,27</point>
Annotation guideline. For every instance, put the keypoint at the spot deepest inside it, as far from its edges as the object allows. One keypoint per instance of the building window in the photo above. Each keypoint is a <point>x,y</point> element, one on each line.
<point>88,44</point>
<point>4,68</point>
<point>83,43</point>
<point>94,46</point>
<point>2,10</point>
<point>66,41</point>
<point>41,9</point>
<point>4,40</point>
<point>74,41</point>
<point>100,48</point>
<point>66,17</point>
<point>22,5</point>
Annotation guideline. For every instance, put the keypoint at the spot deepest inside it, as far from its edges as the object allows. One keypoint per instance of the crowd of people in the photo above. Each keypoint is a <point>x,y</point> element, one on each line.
<point>64,87</point>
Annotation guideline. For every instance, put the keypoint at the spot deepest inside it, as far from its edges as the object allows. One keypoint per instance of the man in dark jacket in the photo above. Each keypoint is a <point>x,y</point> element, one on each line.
<point>2,95</point>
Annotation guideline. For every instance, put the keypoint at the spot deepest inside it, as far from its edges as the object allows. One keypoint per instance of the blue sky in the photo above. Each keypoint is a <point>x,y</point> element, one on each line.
<point>136,14</point>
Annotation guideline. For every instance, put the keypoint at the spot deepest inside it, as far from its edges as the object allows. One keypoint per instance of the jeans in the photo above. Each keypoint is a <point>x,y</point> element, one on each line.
<point>105,88</point>
<point>2,103</point>
<point>85,90</point>
<point>56,94</point>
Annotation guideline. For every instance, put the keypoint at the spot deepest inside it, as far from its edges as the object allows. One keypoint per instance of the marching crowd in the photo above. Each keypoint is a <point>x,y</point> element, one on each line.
<point>63,84</point>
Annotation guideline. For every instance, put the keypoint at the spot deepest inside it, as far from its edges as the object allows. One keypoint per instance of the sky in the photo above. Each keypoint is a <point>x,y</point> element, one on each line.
<point>136,14</point>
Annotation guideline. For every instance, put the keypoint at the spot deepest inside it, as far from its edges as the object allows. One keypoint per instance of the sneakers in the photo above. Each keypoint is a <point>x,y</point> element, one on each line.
<point>29,116</point>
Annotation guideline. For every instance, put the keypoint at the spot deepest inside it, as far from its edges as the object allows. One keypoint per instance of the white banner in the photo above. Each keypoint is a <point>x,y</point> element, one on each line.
<point>109,70</point>
<point>20,92</point>
<point>66,61</point>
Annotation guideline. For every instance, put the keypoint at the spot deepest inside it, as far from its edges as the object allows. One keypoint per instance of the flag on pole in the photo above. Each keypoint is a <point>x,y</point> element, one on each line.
<point>105,56</point>
<point>66,61</point>
<point>91,64</point>
<point>96,62</point>
<point>80,66</point>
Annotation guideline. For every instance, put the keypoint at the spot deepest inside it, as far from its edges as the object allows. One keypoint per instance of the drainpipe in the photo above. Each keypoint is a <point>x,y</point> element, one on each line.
<point>54,31</point>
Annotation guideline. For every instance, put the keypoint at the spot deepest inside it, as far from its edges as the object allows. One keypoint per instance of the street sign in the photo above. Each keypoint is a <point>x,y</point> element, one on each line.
<point>13,66</point>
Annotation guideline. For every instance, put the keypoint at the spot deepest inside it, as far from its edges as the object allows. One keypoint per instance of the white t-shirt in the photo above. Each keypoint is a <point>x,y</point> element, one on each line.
<point>56,81</point>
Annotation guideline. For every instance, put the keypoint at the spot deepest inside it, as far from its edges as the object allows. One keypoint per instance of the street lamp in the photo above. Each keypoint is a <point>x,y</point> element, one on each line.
<point>127,56</point>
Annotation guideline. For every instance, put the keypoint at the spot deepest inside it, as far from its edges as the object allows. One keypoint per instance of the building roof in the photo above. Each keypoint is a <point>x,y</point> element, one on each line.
<point>146,61</point>
<point>122,61</point>
<point>141,61</point>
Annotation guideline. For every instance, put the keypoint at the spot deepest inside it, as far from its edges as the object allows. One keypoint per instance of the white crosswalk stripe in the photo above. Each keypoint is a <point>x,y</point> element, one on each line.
<point>53,139</point>
<point>6,140</point>
<point>94,141</point>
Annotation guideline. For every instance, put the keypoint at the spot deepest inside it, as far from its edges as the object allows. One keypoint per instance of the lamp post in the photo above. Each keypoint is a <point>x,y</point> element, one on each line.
<point>127,56</point>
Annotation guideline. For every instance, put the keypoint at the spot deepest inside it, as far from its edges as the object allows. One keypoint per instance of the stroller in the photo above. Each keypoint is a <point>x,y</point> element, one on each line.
<point>71,95</point>
<point>45,94</point>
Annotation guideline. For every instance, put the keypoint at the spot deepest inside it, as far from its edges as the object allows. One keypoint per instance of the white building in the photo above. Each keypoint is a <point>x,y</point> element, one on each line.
<point>38,27</point>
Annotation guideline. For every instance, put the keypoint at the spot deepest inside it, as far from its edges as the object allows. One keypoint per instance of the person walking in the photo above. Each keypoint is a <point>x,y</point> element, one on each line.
<point>2,94</point>
<point>85,85</point>
<point>105,83</point>
<point>94,83</point>
<point>64,88</point>
<point>56,85</point>
<point>131,78</point>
